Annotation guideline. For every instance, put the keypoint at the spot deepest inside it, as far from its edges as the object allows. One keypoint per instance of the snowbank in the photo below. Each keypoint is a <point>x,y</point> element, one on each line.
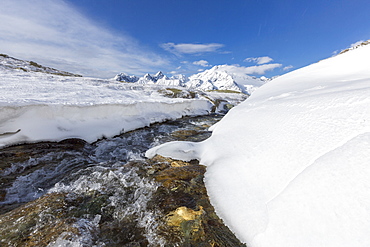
<point>40,107</point>
<point>291,165</point>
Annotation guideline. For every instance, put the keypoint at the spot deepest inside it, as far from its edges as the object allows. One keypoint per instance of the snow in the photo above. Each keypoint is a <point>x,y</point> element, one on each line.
<point>290,165</point>
<point>42,107</point>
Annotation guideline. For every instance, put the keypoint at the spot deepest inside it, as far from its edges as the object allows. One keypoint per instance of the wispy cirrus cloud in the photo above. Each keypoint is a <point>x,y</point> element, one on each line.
<point>188,48</point>
<point>54,33</point>
<point>259,60</point>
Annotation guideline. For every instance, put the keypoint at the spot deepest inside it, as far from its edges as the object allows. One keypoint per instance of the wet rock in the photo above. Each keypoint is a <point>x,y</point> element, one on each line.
<point>183,214</point>
<point>192,135</point>
<point>177,93</point>
<point>190,219</point>
<point>189,223</point>
<point>37,223</point>
<point>22,152</point>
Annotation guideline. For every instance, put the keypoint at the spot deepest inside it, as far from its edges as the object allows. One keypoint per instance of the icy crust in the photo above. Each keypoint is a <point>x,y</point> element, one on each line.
<point>290,165</point>
<point>39,107</point>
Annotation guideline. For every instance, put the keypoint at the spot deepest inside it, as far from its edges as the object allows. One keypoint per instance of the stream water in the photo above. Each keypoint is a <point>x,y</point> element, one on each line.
<point>93,184</point>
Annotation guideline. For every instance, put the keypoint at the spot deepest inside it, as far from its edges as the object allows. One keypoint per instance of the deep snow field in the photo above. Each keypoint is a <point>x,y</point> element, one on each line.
<point>290,166</point>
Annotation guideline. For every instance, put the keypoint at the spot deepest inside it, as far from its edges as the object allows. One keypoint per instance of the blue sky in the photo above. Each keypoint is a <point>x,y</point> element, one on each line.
<point>105,37</point>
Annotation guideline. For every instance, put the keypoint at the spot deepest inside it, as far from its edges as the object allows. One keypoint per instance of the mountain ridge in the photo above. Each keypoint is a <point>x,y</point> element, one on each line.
<point>219,77</point>
<point>8,62</point>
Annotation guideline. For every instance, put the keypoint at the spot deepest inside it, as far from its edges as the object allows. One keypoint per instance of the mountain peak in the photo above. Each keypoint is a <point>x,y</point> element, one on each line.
<point>159,75</point>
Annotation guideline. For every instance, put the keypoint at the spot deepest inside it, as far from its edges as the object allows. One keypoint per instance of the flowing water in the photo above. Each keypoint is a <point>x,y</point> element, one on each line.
<point>87,194</point>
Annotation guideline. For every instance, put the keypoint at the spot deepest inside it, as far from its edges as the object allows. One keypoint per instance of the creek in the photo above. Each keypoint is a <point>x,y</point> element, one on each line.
<point>29,171</point>
<point>72,193</point>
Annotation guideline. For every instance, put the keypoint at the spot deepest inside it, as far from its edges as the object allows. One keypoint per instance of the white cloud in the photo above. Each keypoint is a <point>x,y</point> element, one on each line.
<point>55,34</point>
<point>259,60</point>
<point>289,67</point>
<point>186,48</point>
<point>262,69</point>
<point>202,63</point>
<point>251,70</point>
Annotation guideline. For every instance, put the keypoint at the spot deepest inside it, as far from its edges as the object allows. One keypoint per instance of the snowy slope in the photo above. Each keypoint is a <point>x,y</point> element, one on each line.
<point>221,77</point>
<point>36,106</point>
<point>10,63</point>
<point>290,166</point>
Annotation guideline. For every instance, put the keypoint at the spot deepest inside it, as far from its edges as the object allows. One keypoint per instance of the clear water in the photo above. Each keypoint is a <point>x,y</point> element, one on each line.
<point>98,168</point>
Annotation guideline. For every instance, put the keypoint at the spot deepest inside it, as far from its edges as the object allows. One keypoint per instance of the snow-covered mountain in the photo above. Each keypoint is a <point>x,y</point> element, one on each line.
<point>7,62</point>
<point>225,77</point>
<point>290,165</point>
<point>126,78</point>
<point>221,77</point>
<point>159,78</point>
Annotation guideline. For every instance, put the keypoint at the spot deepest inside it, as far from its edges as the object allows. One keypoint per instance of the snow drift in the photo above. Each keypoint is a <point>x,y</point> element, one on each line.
<point>42,107</point>
<point>290,166</point>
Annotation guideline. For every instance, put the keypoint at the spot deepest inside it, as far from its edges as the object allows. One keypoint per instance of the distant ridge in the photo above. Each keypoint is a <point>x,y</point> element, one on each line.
<point>355,46</point>
<point>8,62</point>
<point>218,78</point>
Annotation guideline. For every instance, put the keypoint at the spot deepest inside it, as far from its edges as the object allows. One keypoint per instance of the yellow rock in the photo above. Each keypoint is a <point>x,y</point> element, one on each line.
<point>181,214</point>
<point>178,163</point>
